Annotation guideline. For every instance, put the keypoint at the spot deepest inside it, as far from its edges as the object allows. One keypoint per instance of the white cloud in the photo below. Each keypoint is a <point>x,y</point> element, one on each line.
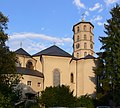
<point>100,10</point>
<point>95,7</point>
<point>100,23</point>
<point>33,42</point>
<point>96,18</point>
<point>79,4</point>
<point>108,2</point>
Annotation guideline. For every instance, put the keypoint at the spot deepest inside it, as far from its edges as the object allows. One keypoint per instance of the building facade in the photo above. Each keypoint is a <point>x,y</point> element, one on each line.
<point>54,66</point>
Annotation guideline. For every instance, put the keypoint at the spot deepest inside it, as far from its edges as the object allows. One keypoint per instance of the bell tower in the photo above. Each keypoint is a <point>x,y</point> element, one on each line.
<point>83,39</point>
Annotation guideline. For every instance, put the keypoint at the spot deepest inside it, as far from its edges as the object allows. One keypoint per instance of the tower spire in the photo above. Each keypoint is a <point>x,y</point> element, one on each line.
<point>83,17</point>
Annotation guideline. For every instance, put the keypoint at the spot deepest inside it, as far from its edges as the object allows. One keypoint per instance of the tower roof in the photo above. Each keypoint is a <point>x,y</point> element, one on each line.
<point>21,51</point>
<point>83,23</point>
<point>53,51</point>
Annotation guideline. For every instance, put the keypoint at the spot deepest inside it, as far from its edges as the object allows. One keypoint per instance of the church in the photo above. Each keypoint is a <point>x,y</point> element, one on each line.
<point>53,66</point>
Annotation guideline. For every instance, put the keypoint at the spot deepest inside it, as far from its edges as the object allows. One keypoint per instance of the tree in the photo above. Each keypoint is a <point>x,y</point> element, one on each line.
<point>108,70</point>
<point>85,101</point>
<point>7,66</point>
<point>59,96</point>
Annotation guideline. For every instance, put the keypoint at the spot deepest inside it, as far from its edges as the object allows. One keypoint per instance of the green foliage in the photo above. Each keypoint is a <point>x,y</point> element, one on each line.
<point>85,101</point>
<point>61,96</point>
<point>57,96</point>
<point>8,75</point>
<point>108,71</point>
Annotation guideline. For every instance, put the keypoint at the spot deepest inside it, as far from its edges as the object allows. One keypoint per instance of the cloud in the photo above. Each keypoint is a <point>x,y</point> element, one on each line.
<point>96,18</point>
<point>79,4</point>
<point>95,7</point>
<point>100,23</point>
<point>108,2</point>
<point>34,42</point>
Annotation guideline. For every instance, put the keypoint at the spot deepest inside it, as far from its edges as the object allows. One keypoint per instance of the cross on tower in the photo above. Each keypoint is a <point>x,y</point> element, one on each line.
<point>83,16</point>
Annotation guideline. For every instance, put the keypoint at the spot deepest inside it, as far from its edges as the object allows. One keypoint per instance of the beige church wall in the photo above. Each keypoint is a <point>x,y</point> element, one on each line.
<point>86,84</point>
<point>34,82</point>
<point>72,70</point>
<point>38,63</point>
<point>24,59</point>
<point>50,63</point>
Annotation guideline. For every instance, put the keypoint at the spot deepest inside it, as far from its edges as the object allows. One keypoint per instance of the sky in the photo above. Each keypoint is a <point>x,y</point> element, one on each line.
<point>38,24</point>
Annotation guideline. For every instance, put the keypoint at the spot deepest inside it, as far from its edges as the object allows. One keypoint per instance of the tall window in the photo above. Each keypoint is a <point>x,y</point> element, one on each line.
<point>71,78</point>
<point>77,55</point>
<point>85,53</point>
<point>78,29</point>
<point>91,46</point>
<point>78,38</point>
<point>56,77</point>
<point>90,29</point>
<point>85,45</point>
<point>85,37</point>
<point>84,28</point>
<point>29,65</point>
<point>90,38</point>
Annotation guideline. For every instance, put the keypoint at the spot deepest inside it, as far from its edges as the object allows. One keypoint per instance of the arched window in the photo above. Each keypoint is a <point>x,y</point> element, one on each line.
<point>77,55</point>
<point>91,46</point>
<point>71,78</point>
<point>90,38</point>
<point>18,64</point>
<point>56,77</point>
<point>85,54</point>
<point>90,29</point>
<point>78,38</point>
<point>85,37</point>
<point>77,45</point>
<point>29,65</point>
<point>78,29</point>
<point>85,45</point>
<point>84,28</point>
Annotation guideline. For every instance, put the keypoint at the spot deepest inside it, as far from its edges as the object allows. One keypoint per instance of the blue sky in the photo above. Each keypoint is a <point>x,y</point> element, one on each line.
<point>39,24</point>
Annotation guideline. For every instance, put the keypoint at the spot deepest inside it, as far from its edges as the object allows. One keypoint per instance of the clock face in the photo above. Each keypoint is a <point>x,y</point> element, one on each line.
<point>77,45</point>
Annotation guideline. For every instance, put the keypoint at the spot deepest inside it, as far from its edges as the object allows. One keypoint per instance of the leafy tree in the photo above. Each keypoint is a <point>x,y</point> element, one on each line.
<point>59,96</point>
<point>7,66</point>
<point>85,101</point>
<point>108,70</point>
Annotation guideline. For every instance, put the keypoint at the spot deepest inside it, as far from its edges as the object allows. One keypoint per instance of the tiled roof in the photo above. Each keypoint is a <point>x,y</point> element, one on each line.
<point>89,57</point>
<point>53,51</point>
<point>21,51</point>
<point>26,71</point>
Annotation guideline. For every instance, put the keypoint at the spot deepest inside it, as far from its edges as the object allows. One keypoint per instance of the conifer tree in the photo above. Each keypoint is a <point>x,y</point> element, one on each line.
<point>108,71</point>
<point>7,67</point>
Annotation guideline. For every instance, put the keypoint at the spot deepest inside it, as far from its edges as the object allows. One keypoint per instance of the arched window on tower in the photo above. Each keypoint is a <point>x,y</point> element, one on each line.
<point>71,78</point>
<point>56,77</point>
<point>78,29</point>
<point>85,54</point>
<point>78,38</point>
<point>85,45</point>
<point>84,28</point>
<point>77,55</point>
<point>90,38</point>
<point>91,46</point>
<point>90,29</point>
<point>85,37</point>
<point>29,65</point>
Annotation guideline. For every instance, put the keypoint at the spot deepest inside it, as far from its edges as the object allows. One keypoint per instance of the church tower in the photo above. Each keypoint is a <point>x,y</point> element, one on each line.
<point>83,39</point>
